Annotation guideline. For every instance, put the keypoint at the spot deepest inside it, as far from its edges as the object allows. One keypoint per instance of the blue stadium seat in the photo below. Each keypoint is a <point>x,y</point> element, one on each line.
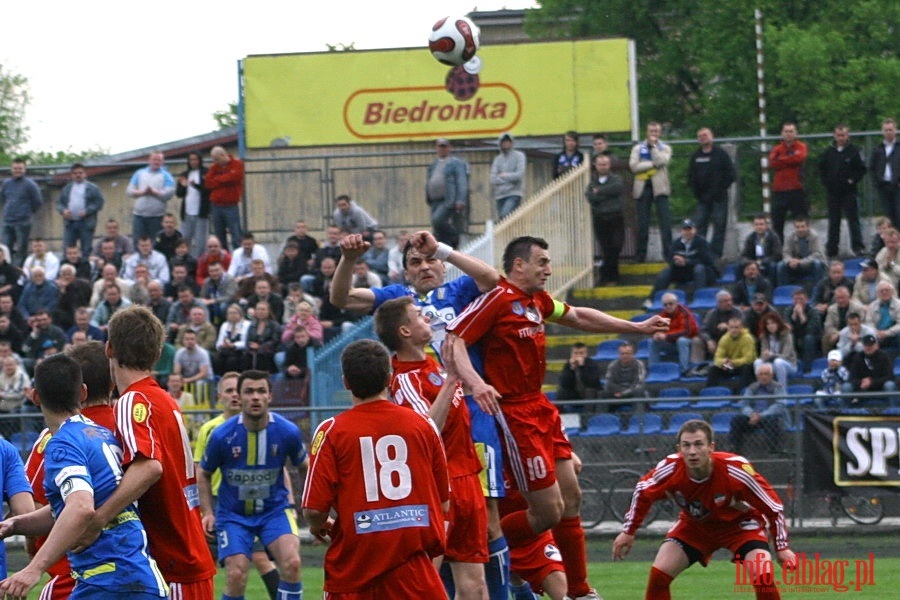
<point>897,366</point>
<point>642,351</point>
<point>800,388</point>
<point>657,298</point>
<point>641,317</point>
<point>677,420</point>
<point>721,422</point>
<point>712,404</point>
<point>663,372</point>
<point>671,392</point>
<point>601,425</point>
<point>816,367</point>
<point>608,350</point>
<point>892,411</point>
<point>784,295</point>
<point>652,424</point>
<point>704,299</point>
<point>729,274</point>
<point>853,267</point>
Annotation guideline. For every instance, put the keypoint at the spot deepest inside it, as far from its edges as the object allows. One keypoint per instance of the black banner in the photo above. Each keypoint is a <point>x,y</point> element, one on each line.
<point>845,451</point>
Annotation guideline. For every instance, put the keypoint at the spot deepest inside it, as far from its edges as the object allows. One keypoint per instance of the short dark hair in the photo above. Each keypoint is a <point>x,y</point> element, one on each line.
<point>57,380</point>
<point>521,248</point>
<point>366,366</point>
<point>342,197</point>
<point>693,426</point>
<point>579,345</point>
<point>247,235</point>
<point>136,337</point>
<point>253,375</point>
<point>388,318</point>
<point>77,165</point>
<point>91,357</point>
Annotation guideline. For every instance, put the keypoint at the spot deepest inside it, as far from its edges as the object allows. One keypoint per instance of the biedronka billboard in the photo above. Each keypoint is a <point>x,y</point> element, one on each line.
<point>384,96</point>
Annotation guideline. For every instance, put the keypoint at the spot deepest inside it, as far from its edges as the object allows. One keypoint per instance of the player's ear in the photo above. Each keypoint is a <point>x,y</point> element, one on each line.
<point>84,392</point>
<point>33,395</point>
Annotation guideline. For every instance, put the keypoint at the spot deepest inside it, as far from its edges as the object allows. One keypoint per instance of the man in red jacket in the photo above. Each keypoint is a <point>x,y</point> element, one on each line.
<point>787,160</point>
<point>225,182</point>
<point>677,340</point>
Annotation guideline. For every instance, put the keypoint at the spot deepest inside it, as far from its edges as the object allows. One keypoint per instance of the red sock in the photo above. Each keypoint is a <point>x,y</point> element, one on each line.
<point>658,585</point>
<point>569,536</point>
<point>517,529</point>
<point>766,592</point>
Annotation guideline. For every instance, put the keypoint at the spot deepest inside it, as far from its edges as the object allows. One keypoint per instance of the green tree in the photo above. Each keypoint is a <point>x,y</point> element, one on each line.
<point>228,117</point>
<point>14,98</point>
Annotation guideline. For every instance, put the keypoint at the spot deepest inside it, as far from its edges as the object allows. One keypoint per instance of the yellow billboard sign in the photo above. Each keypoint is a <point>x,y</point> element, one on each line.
<point>383,96</point>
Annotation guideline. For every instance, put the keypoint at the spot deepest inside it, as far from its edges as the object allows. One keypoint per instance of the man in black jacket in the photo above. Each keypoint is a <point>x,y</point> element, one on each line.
<point>691,262</point>
<point>763,246</point>
<point>604,194</point>
<point>841,168</point>
<point>870,370</point>
<point>710,174</point>
<point>580,376</point>
<point>884,165</point>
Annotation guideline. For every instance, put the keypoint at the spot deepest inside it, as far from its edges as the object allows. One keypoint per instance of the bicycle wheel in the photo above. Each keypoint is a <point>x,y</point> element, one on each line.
<point>862,509</point>
<point>622,490</point>
<point>592,505</point>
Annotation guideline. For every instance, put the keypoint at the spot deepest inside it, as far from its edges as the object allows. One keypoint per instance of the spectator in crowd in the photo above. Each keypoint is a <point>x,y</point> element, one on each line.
<point>715,324</point>
<point>263,293</point>
<point>803,258</point>
<point>850,337</point>
<point>888,258</point>
<point>507,176</point>
<point>205,333</point>
<point>759,307</point>
<point>43,258</point>
<point>865,288</point>
<point>165,240</point>
<point>225,182</point>
<point>295,366</point>
<point>580,376</point>
<point>305,242</point>
<point>179,278</point>
<point>214,254</point>
<point>263,339</point>
<point>823,292</point>
<point>330,247</point>
<point>84,325</point>
<point>570,157</point>
<point>194,210</point>
<point>734,357</point>
<point>334,319</point>
<point>217,292</point>
<point>194,366</point>
<point>180,311</point>
<point>836,316</point>
<point>626,375</point>
<point>806,325</point>
<point>752,283</point>
<point>303,316</point>
<point>14,384</point>
<point>710,174</point>
<point>350,217</point>
<point>363,277</point>
<point>107,256</point>
<point>242,257</point>
<point>231,341</point>
<point>39,294</point>
<point>74,293</point>
<point>832,380</point>
<point>112,302</point>
<point>175,387</point>
<point>109,275</point>
<point>139,293</point>
<point>604,194</point>
<point>9,309</point>
<point>45,339</point>
<point>182,256</point>
<point>763,246</point>
<point>395,257</point>
<point>122,245</point>
<point>884,167</point>
<point>151,187</point>
<point>11,338</point>
<point>600,145</point>
<point>841,168</point>
<point>882,225</point>
<point>157,302</point>
<point>291,265</point>
<point>870,371</point>
<point>156,263</point>
<point>776,343</point>
<point>787,159</point>
<point>10,276</point>
<point>247,285</point>
<point>20,197</point>
<point>447,194</point>
<point>676,342</point>
<point>81,264</point>
<point>649,161</point>
<point>768,415</point>
<point>690,262</point>
<point>292,299</point>
<point>79,203</point>
<point>377,256</point>
<point>883,315</point>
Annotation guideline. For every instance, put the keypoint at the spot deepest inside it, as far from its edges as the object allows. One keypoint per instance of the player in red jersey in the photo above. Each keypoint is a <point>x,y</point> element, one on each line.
<point>421,384</point>
<point>381,467</point>
<point>159,468</point>
<point>507,327</point>
<point>95,374</point>
<point>724,503</point>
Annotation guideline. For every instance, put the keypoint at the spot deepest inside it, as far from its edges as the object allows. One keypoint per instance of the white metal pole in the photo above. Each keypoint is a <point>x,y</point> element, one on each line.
<point>761,93</point>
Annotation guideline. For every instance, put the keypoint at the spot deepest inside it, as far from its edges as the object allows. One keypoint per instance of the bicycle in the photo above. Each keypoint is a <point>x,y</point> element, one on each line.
<point>593,502</point>
<point>862,509</point>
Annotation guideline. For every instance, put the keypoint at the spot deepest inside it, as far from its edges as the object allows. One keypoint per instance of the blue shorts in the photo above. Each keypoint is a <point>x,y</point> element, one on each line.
<point>489,449</point>
<point>84,591</point>
<point>237,533</point>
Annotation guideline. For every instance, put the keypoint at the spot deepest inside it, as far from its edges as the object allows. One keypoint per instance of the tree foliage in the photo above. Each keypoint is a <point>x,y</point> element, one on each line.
<point>14,98</point>
<point>228,117</point>
<point>826,61</point>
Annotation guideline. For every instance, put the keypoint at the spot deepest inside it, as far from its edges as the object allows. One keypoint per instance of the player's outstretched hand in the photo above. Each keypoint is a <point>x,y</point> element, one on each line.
<point>448,359</point>
<point>654,324</point>
<point>323,533</point>
<point>18,586</point>
<point>622,546</point>
<point>787,557</point>
<point>7,528</point>
<point>424,243</point>
<point>209,526</point>
<point>353,246</point>
<point>487,398</point>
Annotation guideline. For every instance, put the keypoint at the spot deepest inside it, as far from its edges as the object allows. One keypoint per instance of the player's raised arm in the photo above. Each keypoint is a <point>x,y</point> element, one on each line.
<point>596,321</point>
<point>342,295</point>
<point>485,276</point>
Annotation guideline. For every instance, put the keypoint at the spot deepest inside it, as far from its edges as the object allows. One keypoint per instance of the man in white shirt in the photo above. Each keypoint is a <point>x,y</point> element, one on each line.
<point>242,257</point>
<point>79,203</point>
<point>41,257</point>
<point>154,261</point>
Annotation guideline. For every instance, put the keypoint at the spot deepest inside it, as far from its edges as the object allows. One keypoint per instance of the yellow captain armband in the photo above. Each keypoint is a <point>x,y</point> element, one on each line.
<point>559,309</point>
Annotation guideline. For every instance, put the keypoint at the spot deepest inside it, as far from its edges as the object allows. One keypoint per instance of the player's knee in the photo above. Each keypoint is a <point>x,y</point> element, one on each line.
<point>469,584</point>
<point>571,495</point>
<point>237,574</point>
<point>548,514</point>
<point>289,568</point>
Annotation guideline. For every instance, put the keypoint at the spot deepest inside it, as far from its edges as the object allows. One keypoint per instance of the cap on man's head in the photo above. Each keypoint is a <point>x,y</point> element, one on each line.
<point>442,142</point>
<point>760,298</point>
<point>869,263</point>
<point>835,355</point>
<point>687,224</point>
<point>870,339</point>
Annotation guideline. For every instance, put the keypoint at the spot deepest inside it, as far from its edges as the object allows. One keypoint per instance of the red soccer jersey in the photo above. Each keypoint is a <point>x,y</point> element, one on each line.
<point>416,384</point>
<point>149,423</point>
<point>34,470</point>
<point>723,497</point>
<point>382,468</point>
<point>508,326</point>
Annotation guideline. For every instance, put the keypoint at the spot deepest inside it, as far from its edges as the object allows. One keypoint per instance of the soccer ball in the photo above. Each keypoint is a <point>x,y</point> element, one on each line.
<point>454,40</point>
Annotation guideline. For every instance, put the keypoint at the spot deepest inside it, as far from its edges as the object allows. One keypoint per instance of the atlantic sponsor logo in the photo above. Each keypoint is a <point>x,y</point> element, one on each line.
<point>398,517</point>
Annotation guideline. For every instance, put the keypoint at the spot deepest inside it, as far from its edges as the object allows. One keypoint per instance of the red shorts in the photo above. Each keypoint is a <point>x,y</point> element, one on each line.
<point>531,428</point>
<point>534,561</point>
<point>707,538</point>
<point>196,590</point>
<point>562,448</point>
<point>467,534</point>
<point>58,588</point>
<point>415,579</point>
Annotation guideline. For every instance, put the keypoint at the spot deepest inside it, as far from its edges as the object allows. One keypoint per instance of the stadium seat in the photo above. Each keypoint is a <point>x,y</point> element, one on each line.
<point>816,367</point>
<point>663,372</point>
<point>800,388</point>
<point>855,411</point>
<point>652,424</point>
<point>23,441</point>
<point>784,295</point>
<point>891,412</point>
<point>704,299</point>
<point>601,425</point>
<point>896,366</point>
<point>656,306</point>
<point>642,351</point>
<point>676,421</point>
<point>853,267</point>
<point>712,404</point>
<point>729,274</point>
<point>721,422</point>
<point>608,350</point>
<point>641,317</point>
<point>671,392</point>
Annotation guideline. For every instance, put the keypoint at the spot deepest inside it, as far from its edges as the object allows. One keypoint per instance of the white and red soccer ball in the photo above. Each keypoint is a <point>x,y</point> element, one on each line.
<point>454,40</point>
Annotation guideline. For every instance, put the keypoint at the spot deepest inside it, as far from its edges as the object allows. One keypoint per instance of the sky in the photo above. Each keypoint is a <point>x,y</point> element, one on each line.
<point>117,76</point>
